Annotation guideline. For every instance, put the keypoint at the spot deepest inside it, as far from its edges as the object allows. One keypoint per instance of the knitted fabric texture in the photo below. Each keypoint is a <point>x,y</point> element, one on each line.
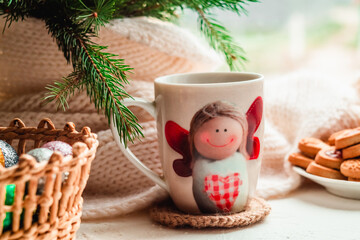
<point>168,215</point>
<point>296,105</point>
<point>30,59</point>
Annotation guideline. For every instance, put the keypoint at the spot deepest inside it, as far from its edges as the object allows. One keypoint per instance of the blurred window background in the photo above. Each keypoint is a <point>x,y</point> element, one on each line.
<point>281,36</point>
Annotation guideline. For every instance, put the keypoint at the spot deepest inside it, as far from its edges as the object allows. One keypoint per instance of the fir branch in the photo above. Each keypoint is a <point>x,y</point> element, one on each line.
<point>61,91</point>
<point>104,74</point>
<point>220,39</point>
<point>105,78</point>
<point>16,10</point>
<point>161,9</point>
<point>237,6</point>
<point>96,16</point>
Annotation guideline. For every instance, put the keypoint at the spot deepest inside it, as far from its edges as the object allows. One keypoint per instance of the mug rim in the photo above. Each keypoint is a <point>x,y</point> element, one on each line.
<point>257,77</point>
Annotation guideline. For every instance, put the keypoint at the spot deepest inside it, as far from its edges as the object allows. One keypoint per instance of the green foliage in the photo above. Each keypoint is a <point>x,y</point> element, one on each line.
<point>95,16</point>
<point>220,39</point>
<point>61,91</point>
<point>72,23</point>
<point>15,10</point>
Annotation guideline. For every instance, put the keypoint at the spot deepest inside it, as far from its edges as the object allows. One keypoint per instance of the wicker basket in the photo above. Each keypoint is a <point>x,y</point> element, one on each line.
<point>58,208</point>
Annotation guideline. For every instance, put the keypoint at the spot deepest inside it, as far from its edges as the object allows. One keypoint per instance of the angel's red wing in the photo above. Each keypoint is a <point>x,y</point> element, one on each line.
<point>253,116</point>
<point>178,139</point>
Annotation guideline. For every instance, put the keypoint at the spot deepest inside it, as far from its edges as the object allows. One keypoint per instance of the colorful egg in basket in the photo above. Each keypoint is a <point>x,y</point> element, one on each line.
<point>54,212</point>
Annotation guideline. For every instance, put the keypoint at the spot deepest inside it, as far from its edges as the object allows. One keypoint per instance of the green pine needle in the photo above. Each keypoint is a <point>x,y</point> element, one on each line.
<point>95,16</point>
<point>61,91</point>
<point>221,40</point>
<point>16,10</point>
<point>237,6</point>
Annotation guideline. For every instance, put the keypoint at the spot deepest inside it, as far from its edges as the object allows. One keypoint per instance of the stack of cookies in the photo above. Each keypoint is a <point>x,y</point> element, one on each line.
<point>339,158</point>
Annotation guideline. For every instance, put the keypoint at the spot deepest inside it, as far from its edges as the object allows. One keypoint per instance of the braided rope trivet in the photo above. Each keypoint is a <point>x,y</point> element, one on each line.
<point>168,215</point>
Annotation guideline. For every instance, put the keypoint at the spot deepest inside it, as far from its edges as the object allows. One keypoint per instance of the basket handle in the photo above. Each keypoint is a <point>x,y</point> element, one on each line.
<point>16,122</point>
<point>70,126</point>
<point>48,122</point>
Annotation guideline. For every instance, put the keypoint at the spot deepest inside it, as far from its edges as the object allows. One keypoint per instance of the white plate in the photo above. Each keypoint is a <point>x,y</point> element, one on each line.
<point>341,188</point>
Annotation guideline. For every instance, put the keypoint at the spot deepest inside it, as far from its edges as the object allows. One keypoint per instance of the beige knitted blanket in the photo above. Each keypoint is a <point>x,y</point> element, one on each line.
<point>296,105</point>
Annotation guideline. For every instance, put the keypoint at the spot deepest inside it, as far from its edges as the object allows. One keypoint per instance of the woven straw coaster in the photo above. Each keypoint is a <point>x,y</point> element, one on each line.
<point>167,214</point>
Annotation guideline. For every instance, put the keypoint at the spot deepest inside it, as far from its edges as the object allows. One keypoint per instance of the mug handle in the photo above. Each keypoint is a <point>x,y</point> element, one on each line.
<point>150,108</point>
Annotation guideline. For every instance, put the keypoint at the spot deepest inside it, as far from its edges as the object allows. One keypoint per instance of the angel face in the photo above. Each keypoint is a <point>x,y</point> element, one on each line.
<point>218,138</point>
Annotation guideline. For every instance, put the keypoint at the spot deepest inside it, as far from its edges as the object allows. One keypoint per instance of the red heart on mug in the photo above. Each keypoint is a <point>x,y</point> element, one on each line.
<point>223,191</point>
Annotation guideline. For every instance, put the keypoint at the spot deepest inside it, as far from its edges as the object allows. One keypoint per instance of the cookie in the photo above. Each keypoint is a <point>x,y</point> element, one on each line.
<point>299,160</point>
<point>351,168</point>
<point>347,138</point>
<point>329,157</point>
<point>311,146</point>
<point>322,171</point>
<point>351,152</point>
<point>354,179</point>
<point>332,137</point>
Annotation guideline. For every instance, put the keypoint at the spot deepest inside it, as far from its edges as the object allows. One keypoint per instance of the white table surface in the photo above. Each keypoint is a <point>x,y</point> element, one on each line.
<point>308,213</point>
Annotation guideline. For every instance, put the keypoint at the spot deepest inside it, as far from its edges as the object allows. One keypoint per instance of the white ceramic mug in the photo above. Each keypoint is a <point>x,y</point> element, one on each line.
<point>210,133</point>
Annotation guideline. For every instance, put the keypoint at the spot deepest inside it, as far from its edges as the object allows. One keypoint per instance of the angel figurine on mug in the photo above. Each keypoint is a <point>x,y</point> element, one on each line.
<point>218,146</point>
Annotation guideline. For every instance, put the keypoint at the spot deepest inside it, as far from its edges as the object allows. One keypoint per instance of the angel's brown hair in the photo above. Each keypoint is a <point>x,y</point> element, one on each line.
<point>214,110</point>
